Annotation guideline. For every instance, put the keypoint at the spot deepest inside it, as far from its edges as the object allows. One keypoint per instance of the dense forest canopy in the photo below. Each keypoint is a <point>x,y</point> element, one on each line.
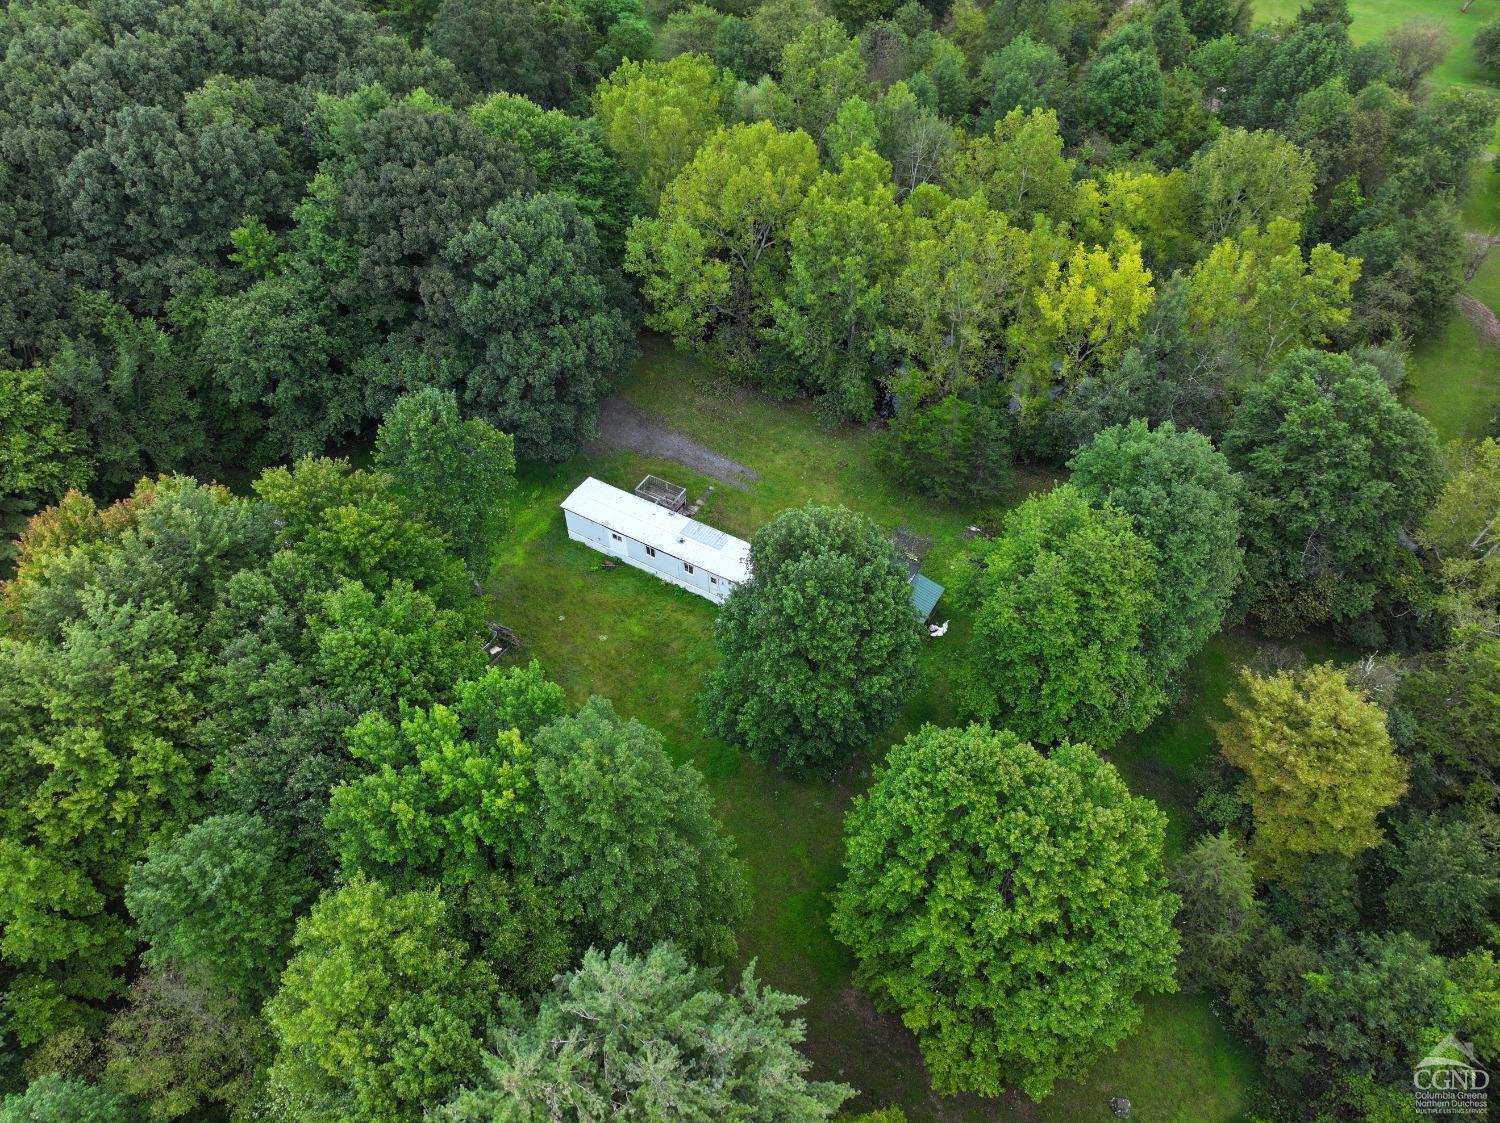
<point>278,842</point>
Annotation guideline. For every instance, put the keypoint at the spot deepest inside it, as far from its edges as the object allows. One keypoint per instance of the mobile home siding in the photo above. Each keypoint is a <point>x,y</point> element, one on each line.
<point>668,544</point>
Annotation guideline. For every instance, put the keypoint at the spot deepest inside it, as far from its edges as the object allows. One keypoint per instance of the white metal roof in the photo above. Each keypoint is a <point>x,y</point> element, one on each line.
<point>668,531</point>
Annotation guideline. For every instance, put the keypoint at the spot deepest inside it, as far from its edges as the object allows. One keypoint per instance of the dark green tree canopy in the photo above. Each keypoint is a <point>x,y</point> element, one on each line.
<point>1334,469</point>
<point>628,841</point>
<point>1183,499</point>
<point>529,310</point>
<point>819,647</point>
<point>218,903</point>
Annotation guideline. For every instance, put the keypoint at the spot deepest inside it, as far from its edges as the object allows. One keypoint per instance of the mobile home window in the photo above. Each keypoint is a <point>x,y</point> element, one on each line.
<point>713,580</point>
<point>686,568</point>
<point>651,550</point>
<point>615,536</point>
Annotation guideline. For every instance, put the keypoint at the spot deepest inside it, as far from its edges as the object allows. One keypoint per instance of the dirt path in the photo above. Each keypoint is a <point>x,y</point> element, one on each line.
<point>622,425</point>
<point>1480,315</point>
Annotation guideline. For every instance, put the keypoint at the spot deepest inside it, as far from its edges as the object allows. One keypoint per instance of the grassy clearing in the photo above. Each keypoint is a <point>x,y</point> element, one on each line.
<point>1455,375</point>
<point>1374,18</point>
<point>647,645</point>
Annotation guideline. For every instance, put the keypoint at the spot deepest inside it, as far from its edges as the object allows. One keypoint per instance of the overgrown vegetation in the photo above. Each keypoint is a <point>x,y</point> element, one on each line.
<point>1132,323</point>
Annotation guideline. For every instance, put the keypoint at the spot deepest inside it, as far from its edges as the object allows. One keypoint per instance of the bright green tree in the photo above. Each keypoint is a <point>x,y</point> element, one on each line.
<point>1019,168</point>
<point>1248,179</point>
<point>843,252</point>
<point>967,273</point>
<point>1463,527</point>
<point>1319,765</point>
<point>628,842</point>
<point>457,473</point>
<point>637,1038</point>
<point>1087,310</point>
<point>1257,297</point>
<point>1010,906</point>
<point>429,801</point>
<point>218,903</point>
<point>380,1011</point>
<point>1334,467</point>
<point>820,70</point>
<point>708,262</point>
<point>1183,499</point>
<point>656,115</point>
<point>819,647</point>
<point>1060,603</point>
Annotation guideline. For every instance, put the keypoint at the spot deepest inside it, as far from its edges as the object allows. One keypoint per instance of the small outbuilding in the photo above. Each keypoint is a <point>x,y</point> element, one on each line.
<point>656,538</point>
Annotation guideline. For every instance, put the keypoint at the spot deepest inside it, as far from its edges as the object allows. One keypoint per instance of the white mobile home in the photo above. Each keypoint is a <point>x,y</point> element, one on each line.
<point>667,543</point>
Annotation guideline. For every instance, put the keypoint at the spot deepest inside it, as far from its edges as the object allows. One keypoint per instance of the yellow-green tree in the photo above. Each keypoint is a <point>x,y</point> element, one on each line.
<point>1087,310</point>
<point>1257,296</point>
<point>1463,530</point>
<point>1319,765</point>
<point>967,272</point>
<point>654,116</point>
<point>1150,206</point>
<point>1019,167</point>
<point>712,260</point>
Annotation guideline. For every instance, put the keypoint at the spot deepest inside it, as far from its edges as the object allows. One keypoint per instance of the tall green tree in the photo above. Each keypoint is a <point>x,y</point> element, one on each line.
<point>642,1037</point>
<point>1334,469</point>
<point>967,272</point>
<point>429,802</point>
<point>1060,603</point>
<point>186,1050</point>
<point>533,319</point>
<point>1318,762</point>
<point>1010,906</point>
<point>819,647</point>
<point>1462,528</point>
<point>656,115</point>
<point>540,51</point>
<point>1019,168</point>
<point>711,263</point>
<point>1183,499</point>
<point>380,1011</point>
<point>1256,298</point>
<point>458,473</point>
<point>1453,699</point>
<point>55,1097</point>
<point>218,903</point>
<point>1123,93</point>
<point>628,842</point>
<point>1247,179</point>
<point>844,249</point>
<point>41,455</point>
<point>1219,913</point>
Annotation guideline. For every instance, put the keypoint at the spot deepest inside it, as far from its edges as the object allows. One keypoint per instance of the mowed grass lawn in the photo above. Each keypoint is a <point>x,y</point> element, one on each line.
<point>648,646</point>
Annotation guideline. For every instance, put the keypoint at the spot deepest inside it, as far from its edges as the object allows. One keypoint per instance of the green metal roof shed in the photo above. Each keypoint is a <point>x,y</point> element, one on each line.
<point>925,593</point>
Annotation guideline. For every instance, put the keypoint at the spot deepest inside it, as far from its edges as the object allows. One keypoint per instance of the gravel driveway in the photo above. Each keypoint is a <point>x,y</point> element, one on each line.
<point>622,425</point>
